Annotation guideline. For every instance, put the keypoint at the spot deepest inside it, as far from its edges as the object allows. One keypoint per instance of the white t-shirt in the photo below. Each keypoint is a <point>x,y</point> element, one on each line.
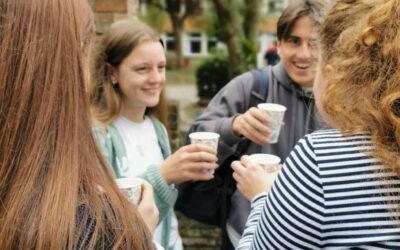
<point>141,145</point>
<point>142,148</point>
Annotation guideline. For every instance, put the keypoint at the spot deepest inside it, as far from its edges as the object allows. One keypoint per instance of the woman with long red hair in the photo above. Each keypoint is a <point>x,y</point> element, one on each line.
<point>56,191</point>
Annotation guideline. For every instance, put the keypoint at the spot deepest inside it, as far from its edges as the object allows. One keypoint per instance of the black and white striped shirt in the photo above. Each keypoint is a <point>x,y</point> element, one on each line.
<point>329,195</point>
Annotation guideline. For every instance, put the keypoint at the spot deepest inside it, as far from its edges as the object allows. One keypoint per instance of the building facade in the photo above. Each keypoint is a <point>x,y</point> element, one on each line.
<point>108,11</point>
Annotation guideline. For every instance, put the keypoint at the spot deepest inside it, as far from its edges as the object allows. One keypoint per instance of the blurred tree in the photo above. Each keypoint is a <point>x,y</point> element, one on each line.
<point>237,28</point>
<point>153,16</point>
<point>212,75</point>
<point>178,11</point>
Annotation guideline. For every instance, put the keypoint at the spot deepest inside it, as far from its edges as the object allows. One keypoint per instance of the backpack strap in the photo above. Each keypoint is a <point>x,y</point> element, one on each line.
<point>259,90</point>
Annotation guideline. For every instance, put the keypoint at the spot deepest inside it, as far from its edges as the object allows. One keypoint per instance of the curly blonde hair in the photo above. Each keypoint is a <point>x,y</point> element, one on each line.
<point>361,39</point>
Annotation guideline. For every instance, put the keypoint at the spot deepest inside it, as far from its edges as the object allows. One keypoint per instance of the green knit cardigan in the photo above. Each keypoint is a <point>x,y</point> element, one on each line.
<point>114,151</point>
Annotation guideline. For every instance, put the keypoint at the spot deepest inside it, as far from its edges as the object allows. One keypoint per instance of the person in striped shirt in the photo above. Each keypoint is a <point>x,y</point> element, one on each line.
<point>339,188</point>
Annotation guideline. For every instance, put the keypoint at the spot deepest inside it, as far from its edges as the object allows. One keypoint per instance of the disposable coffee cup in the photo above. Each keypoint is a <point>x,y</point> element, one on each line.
<point>131,187</point>
<point>207,138</point>
<point>270,163</point>
<point>275,113</point>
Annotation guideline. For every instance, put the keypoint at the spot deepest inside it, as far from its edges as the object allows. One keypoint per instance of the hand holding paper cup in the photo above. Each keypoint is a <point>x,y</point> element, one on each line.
<point>207,138</point>
<point>255,174</point>
<point>131,187</point>
<point>270,163</point>
<point>275,113</point>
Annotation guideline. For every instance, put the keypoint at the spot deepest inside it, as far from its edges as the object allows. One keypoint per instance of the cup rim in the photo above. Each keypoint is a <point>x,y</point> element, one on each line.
<point>204,135</point>
<point>128,182</point>
<point>272,107</point>
<point>274,159</point>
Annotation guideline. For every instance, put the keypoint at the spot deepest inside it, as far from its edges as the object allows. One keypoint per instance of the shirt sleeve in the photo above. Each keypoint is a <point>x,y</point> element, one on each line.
<point>292,213</point>
<point>257,205</point>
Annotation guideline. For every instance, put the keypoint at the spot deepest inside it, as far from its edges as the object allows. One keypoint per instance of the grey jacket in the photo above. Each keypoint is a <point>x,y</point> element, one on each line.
<point>300,118</point>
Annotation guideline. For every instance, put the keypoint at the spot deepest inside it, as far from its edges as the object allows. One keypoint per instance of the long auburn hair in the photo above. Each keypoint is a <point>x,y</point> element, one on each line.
<point>360,38</point>
<point>113,47</point>
<point>50,166</point>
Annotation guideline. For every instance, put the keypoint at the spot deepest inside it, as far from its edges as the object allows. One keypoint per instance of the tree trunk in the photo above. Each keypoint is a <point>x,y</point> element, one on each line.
<point>251,19</point>
<point>177,30</point>
<point>231,33</point>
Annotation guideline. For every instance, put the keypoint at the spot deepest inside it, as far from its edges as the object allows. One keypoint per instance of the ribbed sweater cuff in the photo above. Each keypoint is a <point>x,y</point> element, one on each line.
<point>167,193</point>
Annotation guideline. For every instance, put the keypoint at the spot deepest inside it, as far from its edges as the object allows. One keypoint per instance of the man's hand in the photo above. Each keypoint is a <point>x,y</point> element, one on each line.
<point>190,162</point>
<point>253,125</point>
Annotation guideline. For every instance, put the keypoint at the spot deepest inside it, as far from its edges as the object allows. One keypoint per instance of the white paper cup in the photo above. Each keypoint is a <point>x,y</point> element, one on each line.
<point>275,113</point>
<point>132,188</point>
<point>268,162</point>
<point>207,138</point>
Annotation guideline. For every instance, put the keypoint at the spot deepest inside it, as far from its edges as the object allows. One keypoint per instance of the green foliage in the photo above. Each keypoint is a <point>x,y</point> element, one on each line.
<point>212,75</point>
<point>228,19</point>
<point>153,16</point>
<point>249,49</point>
<point>211,21</point>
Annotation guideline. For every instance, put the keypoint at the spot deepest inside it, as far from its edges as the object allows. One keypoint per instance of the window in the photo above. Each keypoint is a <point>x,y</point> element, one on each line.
<point>170,42</point>
<point>195,43</point>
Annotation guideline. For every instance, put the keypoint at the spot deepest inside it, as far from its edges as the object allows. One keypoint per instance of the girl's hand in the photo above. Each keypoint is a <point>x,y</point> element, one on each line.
<point>251,179</point>
<point>190,162</point>
<point>147,207</point>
